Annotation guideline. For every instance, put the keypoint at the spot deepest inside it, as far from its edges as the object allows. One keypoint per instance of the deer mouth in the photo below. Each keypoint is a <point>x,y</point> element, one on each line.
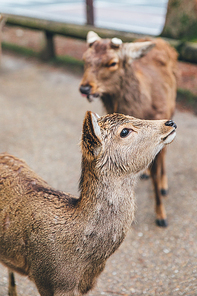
<point>170,137</point>
<point>88,92</point>
<point>92,97</point>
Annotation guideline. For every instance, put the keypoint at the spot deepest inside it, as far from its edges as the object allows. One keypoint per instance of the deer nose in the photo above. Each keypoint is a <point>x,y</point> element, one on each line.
<point>85,89</point>
<point>171,123</point>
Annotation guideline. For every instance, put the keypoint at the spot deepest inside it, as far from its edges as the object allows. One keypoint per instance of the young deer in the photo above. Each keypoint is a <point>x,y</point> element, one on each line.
<point>62,242</point>
<point>137,79</point>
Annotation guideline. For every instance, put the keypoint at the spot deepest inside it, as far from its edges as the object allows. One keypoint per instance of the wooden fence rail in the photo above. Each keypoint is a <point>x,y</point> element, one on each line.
<point>187,50</point>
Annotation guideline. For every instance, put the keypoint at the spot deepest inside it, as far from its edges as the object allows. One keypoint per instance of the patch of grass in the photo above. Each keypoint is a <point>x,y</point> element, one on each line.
<point>73,64</point>
<point>187,99</point>
<point>19,49</point>
<point>69,62</point>
<point>194,40</point>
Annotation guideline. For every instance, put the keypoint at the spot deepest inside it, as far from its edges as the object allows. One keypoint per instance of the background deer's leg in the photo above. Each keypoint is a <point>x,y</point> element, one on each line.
<point>156,178</point>
<point>164,179</point>
<point>11,284</point>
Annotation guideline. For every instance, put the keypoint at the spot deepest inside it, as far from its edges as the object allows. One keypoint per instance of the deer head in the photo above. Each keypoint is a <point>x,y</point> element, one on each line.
<point>123,144</point>
<point>104,63</point>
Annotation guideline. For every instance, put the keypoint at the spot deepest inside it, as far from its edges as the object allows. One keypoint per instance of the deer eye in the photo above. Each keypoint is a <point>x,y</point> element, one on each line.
<point>112,64</point>
<point>125,132</point>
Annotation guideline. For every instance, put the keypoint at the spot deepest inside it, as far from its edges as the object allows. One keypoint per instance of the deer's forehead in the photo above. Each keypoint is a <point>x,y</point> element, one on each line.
<point>113,123</point>
<point>101,46</point>
<point>100,53</point>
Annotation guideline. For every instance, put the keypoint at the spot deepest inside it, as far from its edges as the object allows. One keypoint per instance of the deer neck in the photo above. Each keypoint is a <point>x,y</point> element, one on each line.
<point>109,202</point>
<point>126,98</point>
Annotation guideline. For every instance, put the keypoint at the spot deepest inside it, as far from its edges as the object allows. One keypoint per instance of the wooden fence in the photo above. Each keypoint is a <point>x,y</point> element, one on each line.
<point>187,50</point>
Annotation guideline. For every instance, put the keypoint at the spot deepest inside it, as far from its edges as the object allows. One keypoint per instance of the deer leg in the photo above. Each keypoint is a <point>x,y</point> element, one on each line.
<point>156,178</point>
<point>11,284</point>
<point>164,179</point>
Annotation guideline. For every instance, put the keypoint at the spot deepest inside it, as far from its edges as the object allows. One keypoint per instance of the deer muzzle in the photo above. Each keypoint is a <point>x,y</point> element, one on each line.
<point>172,132</point>
<point>86,91</point>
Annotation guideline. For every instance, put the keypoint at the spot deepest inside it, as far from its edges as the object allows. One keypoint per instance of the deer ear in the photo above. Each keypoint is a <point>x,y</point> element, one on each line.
<point>91,135</point>
<point>136,50</point>
<point>92,37</point>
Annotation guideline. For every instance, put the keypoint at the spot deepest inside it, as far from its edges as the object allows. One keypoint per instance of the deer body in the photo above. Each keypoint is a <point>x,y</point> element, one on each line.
<point>62,242</point>
<point>138,79</point>
<point>34,245</point>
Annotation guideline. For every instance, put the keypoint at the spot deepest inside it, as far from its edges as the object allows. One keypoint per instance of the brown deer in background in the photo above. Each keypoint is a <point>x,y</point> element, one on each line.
<point>138,79</point>
<point>62,242</point>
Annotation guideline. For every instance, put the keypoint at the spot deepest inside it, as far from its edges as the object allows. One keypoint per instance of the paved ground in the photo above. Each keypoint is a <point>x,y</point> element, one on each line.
<point>41,117</point>
<point>142,16</point>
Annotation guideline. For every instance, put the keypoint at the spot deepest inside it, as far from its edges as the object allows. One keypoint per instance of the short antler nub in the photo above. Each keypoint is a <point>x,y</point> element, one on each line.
<point>116,42</point>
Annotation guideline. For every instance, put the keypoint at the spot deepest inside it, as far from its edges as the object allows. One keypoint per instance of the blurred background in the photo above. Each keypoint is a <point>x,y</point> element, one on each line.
<point>141,16</point>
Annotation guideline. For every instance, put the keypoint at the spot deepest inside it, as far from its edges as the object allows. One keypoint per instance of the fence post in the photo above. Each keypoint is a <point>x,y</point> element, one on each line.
<point>2,22</point>
<point>48,52</point>
<point>90,12</point>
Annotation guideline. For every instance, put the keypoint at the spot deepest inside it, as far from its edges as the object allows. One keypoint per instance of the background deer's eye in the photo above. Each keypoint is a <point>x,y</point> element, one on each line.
<point>125,132</point>
<point>112,64</point>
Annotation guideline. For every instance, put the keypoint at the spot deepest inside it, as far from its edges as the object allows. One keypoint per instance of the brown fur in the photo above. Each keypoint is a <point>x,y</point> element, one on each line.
<point>62,242</point>
<point>144,87</point>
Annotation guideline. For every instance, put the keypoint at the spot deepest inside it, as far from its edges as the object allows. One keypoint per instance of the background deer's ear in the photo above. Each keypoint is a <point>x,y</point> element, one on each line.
<point>92,37</point>
<point>91,136</point>
<point>136,50</point>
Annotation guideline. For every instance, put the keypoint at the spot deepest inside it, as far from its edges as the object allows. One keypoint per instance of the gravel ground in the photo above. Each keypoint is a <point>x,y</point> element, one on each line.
<point>41,118</point>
